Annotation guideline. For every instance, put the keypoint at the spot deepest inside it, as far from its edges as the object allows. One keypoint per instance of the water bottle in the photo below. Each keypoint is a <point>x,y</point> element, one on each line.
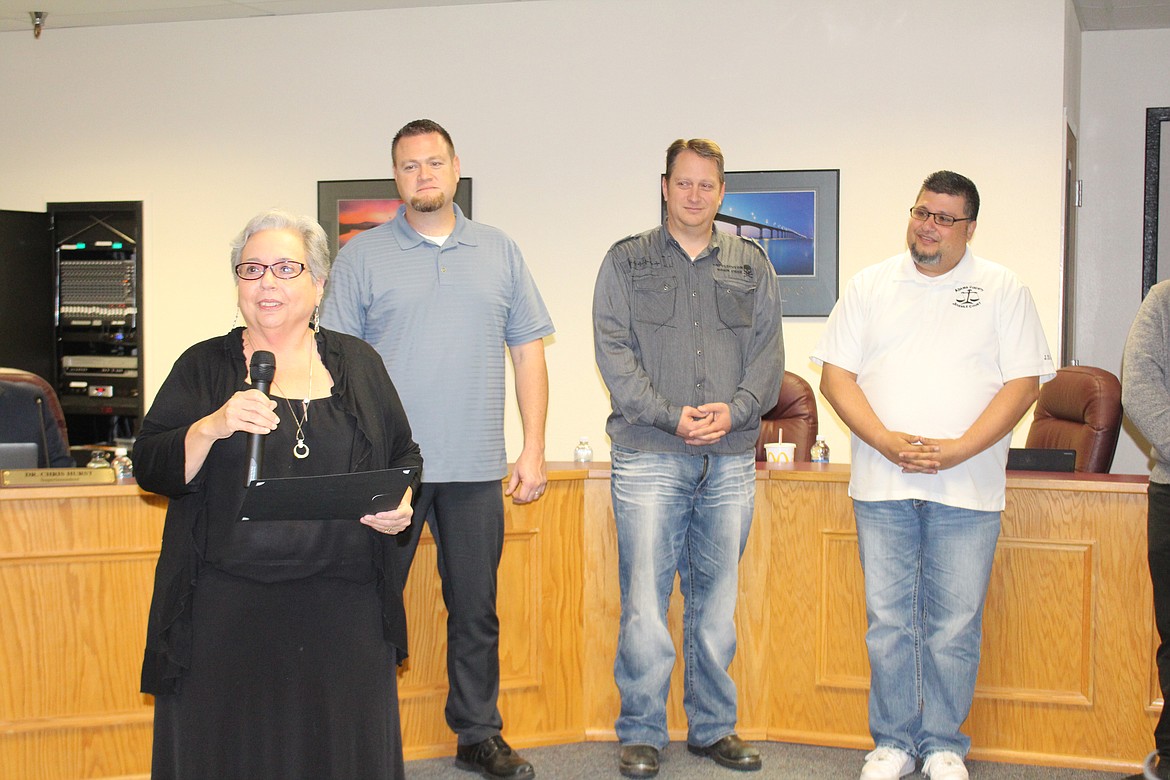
<point>820,451</point>
<point>123,467</point>
<point>582,453</point>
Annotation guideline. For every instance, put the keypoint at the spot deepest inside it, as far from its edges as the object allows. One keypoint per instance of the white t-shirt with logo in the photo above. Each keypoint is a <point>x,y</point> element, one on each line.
<point>930,353</point>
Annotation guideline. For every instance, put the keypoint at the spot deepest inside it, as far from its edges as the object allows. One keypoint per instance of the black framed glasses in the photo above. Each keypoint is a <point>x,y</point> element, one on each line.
<point>942,220</point>
<point>281,269</point>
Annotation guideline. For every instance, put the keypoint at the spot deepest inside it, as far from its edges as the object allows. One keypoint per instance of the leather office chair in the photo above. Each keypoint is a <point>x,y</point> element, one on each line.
<point>1079,409</point>
<point>52,405</point>
<point>795,413</point>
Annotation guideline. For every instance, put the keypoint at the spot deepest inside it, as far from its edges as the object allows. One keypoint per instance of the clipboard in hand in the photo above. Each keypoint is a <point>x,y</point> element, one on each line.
<point>330,497</point>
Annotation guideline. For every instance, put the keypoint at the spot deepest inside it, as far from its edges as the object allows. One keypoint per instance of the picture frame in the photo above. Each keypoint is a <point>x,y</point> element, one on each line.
<point>795,216</point>
<point>347,207</point>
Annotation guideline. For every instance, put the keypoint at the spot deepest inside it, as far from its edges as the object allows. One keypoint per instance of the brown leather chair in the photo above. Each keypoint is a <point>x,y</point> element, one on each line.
<point>795,413</point>
<point>51,403</point>
<point>1079,409</point>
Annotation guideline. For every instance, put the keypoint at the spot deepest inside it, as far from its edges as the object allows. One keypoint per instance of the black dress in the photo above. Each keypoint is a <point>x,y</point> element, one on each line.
<point>271,647</point>
<point>290,676</point>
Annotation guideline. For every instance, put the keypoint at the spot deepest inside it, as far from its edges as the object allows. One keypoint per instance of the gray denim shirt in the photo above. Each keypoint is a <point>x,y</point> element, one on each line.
<point>670,332</point>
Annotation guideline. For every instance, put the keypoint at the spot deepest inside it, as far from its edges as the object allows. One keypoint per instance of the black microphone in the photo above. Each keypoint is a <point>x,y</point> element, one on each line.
<point>262,369</point>
<point>44,437</point>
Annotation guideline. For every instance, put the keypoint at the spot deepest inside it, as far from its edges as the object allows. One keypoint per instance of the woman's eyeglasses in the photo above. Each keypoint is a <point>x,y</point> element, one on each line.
<point>281,269</point>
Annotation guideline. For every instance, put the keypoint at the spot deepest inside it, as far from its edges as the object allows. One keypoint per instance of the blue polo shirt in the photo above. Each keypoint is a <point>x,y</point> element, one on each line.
<point>441,317</point>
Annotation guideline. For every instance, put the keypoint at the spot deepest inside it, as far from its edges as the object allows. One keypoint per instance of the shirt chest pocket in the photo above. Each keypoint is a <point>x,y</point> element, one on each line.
<point>654,299</point>
<point>735,301</point>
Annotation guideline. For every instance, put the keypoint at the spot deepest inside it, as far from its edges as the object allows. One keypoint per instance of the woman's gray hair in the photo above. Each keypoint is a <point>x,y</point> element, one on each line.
<point>312,236</point>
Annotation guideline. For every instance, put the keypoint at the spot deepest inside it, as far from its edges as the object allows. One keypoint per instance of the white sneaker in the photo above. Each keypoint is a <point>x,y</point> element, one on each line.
<point>944,765</point>
<point>887,763</point>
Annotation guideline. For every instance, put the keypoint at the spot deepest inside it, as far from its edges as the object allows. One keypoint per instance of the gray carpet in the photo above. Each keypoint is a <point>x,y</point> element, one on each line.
<point>781,760</point>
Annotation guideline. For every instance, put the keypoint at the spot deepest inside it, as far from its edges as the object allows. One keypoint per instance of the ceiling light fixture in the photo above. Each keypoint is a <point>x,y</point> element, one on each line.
<point>38,20</point>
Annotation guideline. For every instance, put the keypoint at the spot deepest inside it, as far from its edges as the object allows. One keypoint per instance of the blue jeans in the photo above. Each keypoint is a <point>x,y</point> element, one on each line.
<point>690,514</point>
<point>926,567</point>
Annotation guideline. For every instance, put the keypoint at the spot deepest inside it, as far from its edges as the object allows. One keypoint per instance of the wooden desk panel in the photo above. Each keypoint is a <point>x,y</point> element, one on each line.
<point>1066,658</point>
<point>1067,677</point>
<point>1068,629</point>
<point>76,571</point>
<point>757,651</point>
<point>541,644</point>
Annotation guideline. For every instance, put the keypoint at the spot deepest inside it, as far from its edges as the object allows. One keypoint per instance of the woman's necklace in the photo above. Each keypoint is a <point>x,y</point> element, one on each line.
<point>300,449</point>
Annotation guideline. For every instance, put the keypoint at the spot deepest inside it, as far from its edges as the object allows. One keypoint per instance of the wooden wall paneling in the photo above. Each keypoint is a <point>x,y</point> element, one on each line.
<point>65,633</point>
<point>753,666</point>
<point>541,699</point>
<point>115,751</point>
<point>1067,663</point>
<point>602,610</point>
<point>821,672</point>
<point>422,678</point>
<point>540,611</point>
<point>76,569</point>
<point>757,656</point>
<point>1064,664</point>
<point>1038,641</point>
<point>842,661</point>
<point>1068,676</point>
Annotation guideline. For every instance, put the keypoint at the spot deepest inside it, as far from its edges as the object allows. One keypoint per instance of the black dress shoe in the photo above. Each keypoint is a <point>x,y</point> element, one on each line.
<point>493,758</point>
<point>638,761</point>
<point>731,752</point>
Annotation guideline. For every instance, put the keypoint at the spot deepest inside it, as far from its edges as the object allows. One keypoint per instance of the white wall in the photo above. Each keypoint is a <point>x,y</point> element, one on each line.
<point>561,112</point>
<point>1123,74</point>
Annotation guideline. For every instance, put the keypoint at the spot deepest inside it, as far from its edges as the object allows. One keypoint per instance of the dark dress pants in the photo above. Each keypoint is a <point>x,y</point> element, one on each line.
<point>1158,533</point>
<point>467,522</point>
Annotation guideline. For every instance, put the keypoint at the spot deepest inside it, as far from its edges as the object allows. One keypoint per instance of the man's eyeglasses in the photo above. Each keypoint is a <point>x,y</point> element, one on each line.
<point>942,220</point>
<point>281,269</point>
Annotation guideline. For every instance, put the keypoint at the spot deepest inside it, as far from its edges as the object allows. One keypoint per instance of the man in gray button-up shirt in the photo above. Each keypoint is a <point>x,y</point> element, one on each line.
<point>687,332</point>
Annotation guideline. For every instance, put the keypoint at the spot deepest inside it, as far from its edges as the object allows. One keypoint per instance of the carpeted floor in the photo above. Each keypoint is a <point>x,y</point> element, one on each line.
<point>587,760</point>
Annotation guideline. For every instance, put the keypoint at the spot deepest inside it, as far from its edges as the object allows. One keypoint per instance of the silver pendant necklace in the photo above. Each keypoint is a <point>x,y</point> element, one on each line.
<point>300,449</point>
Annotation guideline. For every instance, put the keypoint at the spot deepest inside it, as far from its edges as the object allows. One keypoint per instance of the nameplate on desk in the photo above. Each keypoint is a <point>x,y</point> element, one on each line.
<point>55,477</point>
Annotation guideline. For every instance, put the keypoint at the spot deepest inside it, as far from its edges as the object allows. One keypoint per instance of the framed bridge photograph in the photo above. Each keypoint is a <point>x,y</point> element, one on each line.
<point>794,217</point>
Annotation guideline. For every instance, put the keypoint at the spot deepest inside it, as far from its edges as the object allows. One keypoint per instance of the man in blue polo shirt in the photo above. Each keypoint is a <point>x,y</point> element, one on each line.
<point>440,297</point>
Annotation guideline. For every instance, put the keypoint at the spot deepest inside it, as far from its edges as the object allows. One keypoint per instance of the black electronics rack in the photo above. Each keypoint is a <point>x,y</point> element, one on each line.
<point>98,314</point>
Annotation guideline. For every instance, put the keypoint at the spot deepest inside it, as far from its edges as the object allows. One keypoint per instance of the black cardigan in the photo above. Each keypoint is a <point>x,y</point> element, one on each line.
<point>200,382</point>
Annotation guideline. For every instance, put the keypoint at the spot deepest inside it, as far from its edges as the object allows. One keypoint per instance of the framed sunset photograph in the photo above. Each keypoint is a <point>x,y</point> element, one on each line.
<point>346,208</point>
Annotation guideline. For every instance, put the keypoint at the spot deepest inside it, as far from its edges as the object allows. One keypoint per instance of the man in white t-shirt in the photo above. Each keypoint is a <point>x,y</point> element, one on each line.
<point>931,358</point>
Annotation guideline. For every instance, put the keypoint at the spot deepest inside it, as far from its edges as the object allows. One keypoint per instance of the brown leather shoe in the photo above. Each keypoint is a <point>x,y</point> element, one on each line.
<point>638,761</point>
<point>731,752</point>
<point>493,758</point>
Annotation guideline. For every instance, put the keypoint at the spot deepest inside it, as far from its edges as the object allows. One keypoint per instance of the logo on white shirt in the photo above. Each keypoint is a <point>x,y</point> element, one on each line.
<point>968,296</point>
